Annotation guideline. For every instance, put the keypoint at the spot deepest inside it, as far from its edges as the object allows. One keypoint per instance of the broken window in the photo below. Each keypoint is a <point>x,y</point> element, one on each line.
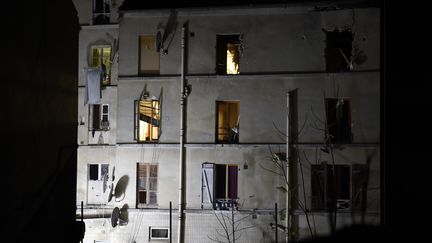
<point>219,186</point>
<point>100,57</point>
<point>341,186</point>
<point>101,11</point>
<point>338,50</point>
<point>147,177</point>
<point>99,117</point>
<point>338,117</point>
<point>227,54</point>
<point>147,120</point>
<point>148,56</point>
<point>227,121</point>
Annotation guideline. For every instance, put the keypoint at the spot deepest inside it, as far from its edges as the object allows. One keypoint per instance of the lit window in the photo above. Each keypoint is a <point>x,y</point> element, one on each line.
<point>228,119</point>
<point>147,120</point>
<point>100,57</point>
<point>147,176</point>
<point>227,54</point>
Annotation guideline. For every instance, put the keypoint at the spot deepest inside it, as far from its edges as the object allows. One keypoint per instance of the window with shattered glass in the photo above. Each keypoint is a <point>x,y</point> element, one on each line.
<point>338,117</point>
<point>147,120</point>
<point>228,54</point>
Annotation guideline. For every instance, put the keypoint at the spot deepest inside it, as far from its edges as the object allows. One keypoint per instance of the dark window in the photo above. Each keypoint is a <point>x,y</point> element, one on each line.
<point>159,233</point>
<point>99,117</point>
<point>338,117</point>
<point>98,172</point>
<point>338,50</point>
<point>101,11</point>
<point>340,186</point>
<point>227,121</point>
<point>227,54</point>
<point>94,172</point>
<point>219,186</point>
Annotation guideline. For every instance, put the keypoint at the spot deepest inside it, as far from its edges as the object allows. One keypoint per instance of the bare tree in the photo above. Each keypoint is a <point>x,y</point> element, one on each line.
<point>231,224</point>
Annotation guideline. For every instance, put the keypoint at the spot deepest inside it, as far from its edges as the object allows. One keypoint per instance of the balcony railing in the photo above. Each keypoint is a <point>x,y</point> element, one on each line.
<point>226,204</point>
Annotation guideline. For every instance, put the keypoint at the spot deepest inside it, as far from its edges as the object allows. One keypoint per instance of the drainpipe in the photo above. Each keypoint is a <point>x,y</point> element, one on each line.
<point>287,231</point>
<point>183,96</point>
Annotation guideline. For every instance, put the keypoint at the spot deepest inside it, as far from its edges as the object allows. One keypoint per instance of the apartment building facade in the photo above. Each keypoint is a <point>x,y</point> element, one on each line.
<point>226,94</point>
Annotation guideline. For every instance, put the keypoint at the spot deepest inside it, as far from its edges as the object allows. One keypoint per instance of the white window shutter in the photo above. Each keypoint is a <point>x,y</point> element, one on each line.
<point>207,189</point>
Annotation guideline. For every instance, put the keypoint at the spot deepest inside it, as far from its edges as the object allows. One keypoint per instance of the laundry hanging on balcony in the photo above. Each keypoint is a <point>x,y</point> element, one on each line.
<point>93,86</point>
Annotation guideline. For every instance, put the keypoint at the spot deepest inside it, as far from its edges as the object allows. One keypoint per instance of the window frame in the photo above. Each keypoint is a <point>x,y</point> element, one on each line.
<point>101,115</point>
<point>343,46</point>
<point>147,190</point>
<point>222,42</point>
<point>106,12</point>
<point>158,238</point>
<point>233,137</point>
<point>357,186</point>
<point>137,120</point>
<point>141,57</point>
<point>107,80</point>
<point>227,201</point>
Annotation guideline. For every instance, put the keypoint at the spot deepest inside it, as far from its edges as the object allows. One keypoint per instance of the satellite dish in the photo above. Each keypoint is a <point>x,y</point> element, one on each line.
<point>115,217</point>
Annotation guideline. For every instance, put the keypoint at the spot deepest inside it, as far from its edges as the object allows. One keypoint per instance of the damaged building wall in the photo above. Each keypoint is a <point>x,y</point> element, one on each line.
<point>274,40</point>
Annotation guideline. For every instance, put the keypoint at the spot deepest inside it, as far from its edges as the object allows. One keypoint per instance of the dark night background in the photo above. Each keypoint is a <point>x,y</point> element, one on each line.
<point>41,45</point>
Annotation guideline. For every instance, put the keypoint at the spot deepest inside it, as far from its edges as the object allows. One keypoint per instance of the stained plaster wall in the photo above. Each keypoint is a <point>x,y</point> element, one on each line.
<point>262,104</point>
<point>275,39</point>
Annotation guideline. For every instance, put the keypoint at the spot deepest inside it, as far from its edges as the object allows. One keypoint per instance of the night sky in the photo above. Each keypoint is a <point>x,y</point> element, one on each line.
<point>406,105</point>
